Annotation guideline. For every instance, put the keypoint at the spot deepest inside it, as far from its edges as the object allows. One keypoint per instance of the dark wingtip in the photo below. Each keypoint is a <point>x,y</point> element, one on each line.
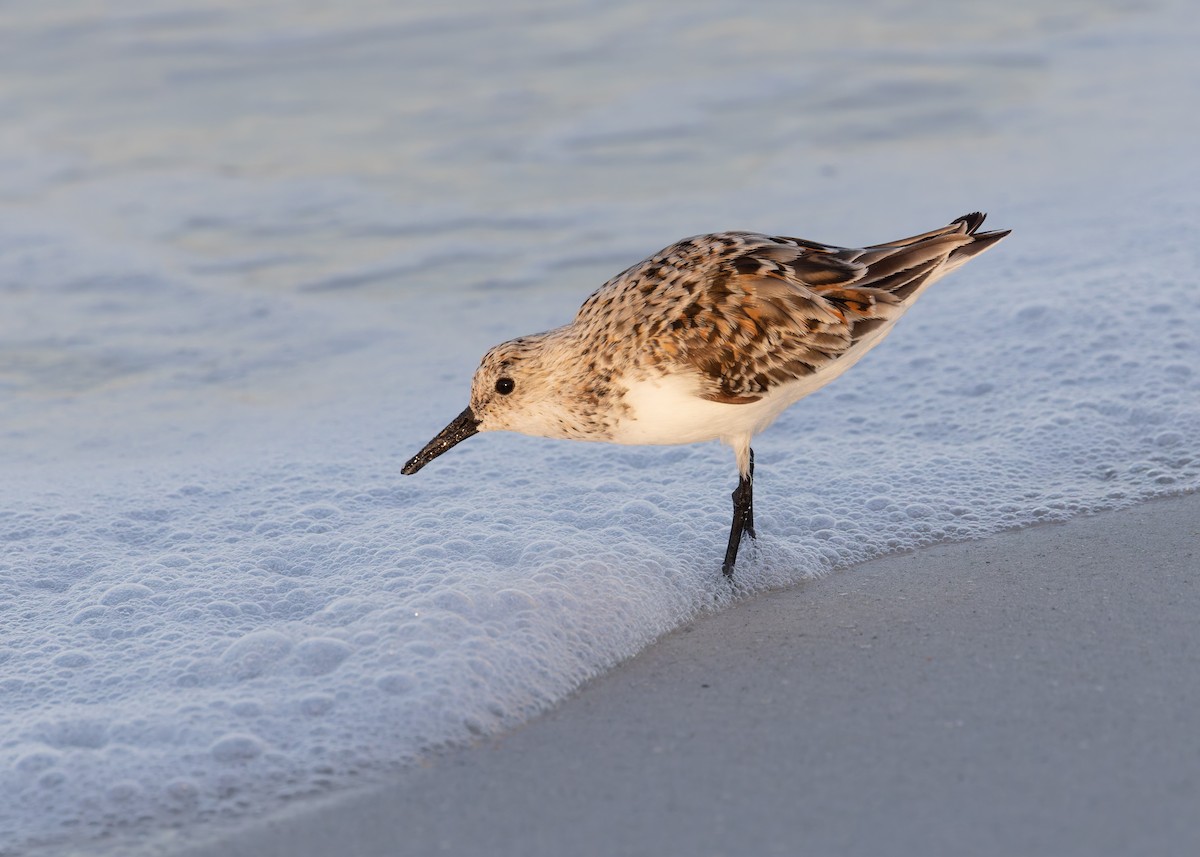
<point>973,221</point>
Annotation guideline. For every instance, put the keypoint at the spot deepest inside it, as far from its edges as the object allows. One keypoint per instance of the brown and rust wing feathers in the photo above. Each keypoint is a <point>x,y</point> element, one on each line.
<point>750,312</point>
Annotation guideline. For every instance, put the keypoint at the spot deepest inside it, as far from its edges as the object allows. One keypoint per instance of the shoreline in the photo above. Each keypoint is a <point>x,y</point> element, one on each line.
<point>1035,692</point>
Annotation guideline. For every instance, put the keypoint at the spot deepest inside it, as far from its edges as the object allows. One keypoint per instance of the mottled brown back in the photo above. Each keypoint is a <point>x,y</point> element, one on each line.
<point>750,312</point>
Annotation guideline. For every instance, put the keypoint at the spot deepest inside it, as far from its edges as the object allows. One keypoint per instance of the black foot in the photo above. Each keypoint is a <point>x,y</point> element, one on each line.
<point>743,517</point>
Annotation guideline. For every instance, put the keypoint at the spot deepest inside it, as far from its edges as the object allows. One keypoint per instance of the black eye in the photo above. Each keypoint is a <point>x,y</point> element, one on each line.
<point>504,386</point>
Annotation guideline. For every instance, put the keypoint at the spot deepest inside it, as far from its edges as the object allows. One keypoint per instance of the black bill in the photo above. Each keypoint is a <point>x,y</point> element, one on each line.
<point>463,426</point>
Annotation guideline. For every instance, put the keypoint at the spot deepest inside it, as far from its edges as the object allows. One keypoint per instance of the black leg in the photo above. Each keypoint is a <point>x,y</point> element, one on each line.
<point>750,500</point>
<point>743,517</point>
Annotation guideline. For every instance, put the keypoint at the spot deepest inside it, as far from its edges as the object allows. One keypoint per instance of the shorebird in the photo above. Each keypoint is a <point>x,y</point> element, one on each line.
<point>708,339</point>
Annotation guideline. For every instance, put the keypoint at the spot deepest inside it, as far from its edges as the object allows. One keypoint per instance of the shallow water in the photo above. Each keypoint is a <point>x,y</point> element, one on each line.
<point>250,254</point>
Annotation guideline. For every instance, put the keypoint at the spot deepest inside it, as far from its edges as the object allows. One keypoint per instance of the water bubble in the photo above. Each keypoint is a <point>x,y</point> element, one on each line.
<point>1168,438</point>
<point>256,653</point>
<point>73,659</point>
<point>124,592</point>
<point>396,683</point>
<point>316,704</point>
<point>237,747</point>
<point>320,655</point>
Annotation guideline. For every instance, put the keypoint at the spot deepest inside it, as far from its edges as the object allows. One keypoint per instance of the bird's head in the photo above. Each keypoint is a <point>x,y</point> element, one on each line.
<point>519,386</point>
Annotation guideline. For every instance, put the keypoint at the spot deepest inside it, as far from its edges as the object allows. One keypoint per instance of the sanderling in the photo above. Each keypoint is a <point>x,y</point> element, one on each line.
<point>711,338</point>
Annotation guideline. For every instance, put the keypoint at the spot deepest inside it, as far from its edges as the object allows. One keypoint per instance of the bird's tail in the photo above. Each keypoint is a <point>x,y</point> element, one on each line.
<point>969,225</point>
<point>906,267</point>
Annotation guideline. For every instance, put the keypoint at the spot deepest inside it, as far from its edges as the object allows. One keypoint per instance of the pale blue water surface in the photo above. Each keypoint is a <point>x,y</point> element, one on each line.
<point>250,253</point>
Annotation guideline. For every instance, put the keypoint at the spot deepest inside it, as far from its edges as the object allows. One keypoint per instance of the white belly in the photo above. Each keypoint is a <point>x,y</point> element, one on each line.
<point>669,409</point>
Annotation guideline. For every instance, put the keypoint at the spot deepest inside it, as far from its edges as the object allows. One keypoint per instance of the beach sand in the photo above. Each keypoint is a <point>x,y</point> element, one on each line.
<point>1037,692</point>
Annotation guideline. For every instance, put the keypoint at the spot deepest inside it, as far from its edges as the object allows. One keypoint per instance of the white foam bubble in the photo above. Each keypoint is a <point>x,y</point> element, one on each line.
<point>237,747</point>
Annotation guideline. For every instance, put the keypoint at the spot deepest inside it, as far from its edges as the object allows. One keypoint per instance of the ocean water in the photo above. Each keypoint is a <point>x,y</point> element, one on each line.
<point>251,252</point>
